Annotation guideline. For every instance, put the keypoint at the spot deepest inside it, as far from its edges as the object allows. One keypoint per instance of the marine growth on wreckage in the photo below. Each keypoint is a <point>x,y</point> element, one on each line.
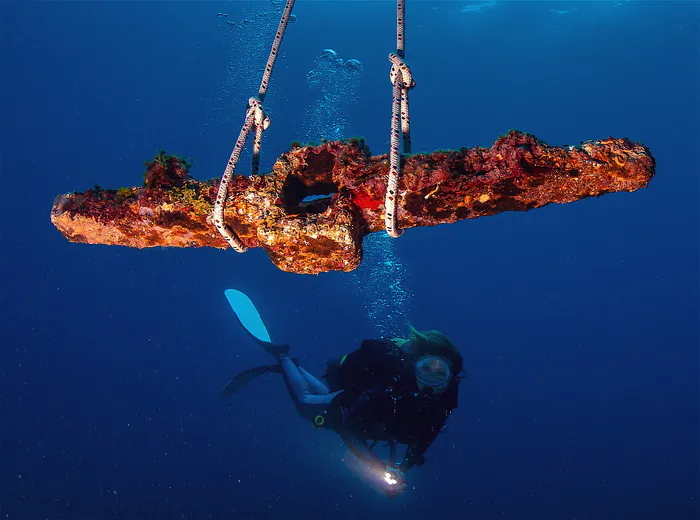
<point>312,210</point>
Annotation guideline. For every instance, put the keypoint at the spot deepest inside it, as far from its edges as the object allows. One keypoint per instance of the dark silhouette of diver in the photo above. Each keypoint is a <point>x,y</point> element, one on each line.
<point>394,390</point>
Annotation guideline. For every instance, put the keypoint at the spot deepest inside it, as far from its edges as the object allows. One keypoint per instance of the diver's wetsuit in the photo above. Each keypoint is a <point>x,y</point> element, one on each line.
<point>379,400</point>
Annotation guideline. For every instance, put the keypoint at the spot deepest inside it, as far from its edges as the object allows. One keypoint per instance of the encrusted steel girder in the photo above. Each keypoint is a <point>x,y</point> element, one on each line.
<point>312,210</point>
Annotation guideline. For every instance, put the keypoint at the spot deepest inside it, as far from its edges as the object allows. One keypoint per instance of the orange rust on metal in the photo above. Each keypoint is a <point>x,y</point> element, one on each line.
<point>312,210</point>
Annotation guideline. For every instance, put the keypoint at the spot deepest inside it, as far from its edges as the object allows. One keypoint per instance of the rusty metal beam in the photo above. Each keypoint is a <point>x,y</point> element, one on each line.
<point>275,210</point>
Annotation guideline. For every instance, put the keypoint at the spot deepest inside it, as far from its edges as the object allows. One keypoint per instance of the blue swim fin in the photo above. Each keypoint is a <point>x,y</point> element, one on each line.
<point>249,318</point>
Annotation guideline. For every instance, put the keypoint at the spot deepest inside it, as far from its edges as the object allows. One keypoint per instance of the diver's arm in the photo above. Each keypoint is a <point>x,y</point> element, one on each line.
<point>415,455</point>
<point>391,481</point>
<point>363,452</point>
<point>354,442</point>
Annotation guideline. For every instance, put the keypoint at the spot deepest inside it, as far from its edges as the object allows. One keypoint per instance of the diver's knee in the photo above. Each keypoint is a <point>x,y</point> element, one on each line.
<point>311,398</point>
<point>307,398</point>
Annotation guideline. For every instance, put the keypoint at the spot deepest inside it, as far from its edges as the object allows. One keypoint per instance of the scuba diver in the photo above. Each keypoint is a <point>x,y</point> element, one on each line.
<point>398,391</point>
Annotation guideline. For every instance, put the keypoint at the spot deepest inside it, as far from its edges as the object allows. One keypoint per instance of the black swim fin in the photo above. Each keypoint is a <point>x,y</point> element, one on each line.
<point>245,377</point>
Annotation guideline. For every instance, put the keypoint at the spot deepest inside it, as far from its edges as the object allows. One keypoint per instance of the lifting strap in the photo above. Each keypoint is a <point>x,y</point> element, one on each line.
<point>402,81</point>
<point>255,120</point>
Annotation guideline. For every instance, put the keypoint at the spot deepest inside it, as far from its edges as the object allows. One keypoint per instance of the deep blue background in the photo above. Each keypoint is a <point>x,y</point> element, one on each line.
<point>579,323</point>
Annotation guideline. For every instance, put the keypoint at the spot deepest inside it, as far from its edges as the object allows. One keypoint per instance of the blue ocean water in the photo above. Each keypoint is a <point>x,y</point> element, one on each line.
<point>578,323</point>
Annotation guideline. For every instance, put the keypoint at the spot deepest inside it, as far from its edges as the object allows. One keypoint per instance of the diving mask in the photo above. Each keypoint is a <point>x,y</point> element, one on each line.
<point>433,372</point>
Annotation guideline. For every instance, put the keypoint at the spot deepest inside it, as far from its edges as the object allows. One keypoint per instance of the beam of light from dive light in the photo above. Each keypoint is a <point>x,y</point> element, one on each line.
<point>375,478</point>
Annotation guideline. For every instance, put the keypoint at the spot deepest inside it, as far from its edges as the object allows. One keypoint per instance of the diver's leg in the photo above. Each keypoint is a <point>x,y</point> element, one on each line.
<point>317,387</point>
<point>299,386</point>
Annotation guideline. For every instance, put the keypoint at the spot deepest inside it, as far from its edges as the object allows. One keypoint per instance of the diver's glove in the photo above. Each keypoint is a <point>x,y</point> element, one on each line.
<point>393,482</point>
<point>412,460</point>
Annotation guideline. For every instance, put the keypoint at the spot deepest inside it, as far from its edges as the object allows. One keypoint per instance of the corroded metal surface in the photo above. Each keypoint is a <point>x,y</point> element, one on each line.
<point>303,234</point>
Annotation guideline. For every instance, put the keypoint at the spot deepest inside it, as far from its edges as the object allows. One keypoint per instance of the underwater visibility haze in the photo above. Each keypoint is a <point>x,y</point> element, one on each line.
<point>578,323</point>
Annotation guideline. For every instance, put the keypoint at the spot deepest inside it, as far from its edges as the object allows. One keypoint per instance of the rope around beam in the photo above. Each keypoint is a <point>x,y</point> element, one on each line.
<point>256,119</point>
<point>402,81</point>
<point>221,195</point>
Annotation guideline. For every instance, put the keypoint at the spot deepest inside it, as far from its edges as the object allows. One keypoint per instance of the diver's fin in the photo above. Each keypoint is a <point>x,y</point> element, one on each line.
<point>249,318</point>
<point>245,377</point>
